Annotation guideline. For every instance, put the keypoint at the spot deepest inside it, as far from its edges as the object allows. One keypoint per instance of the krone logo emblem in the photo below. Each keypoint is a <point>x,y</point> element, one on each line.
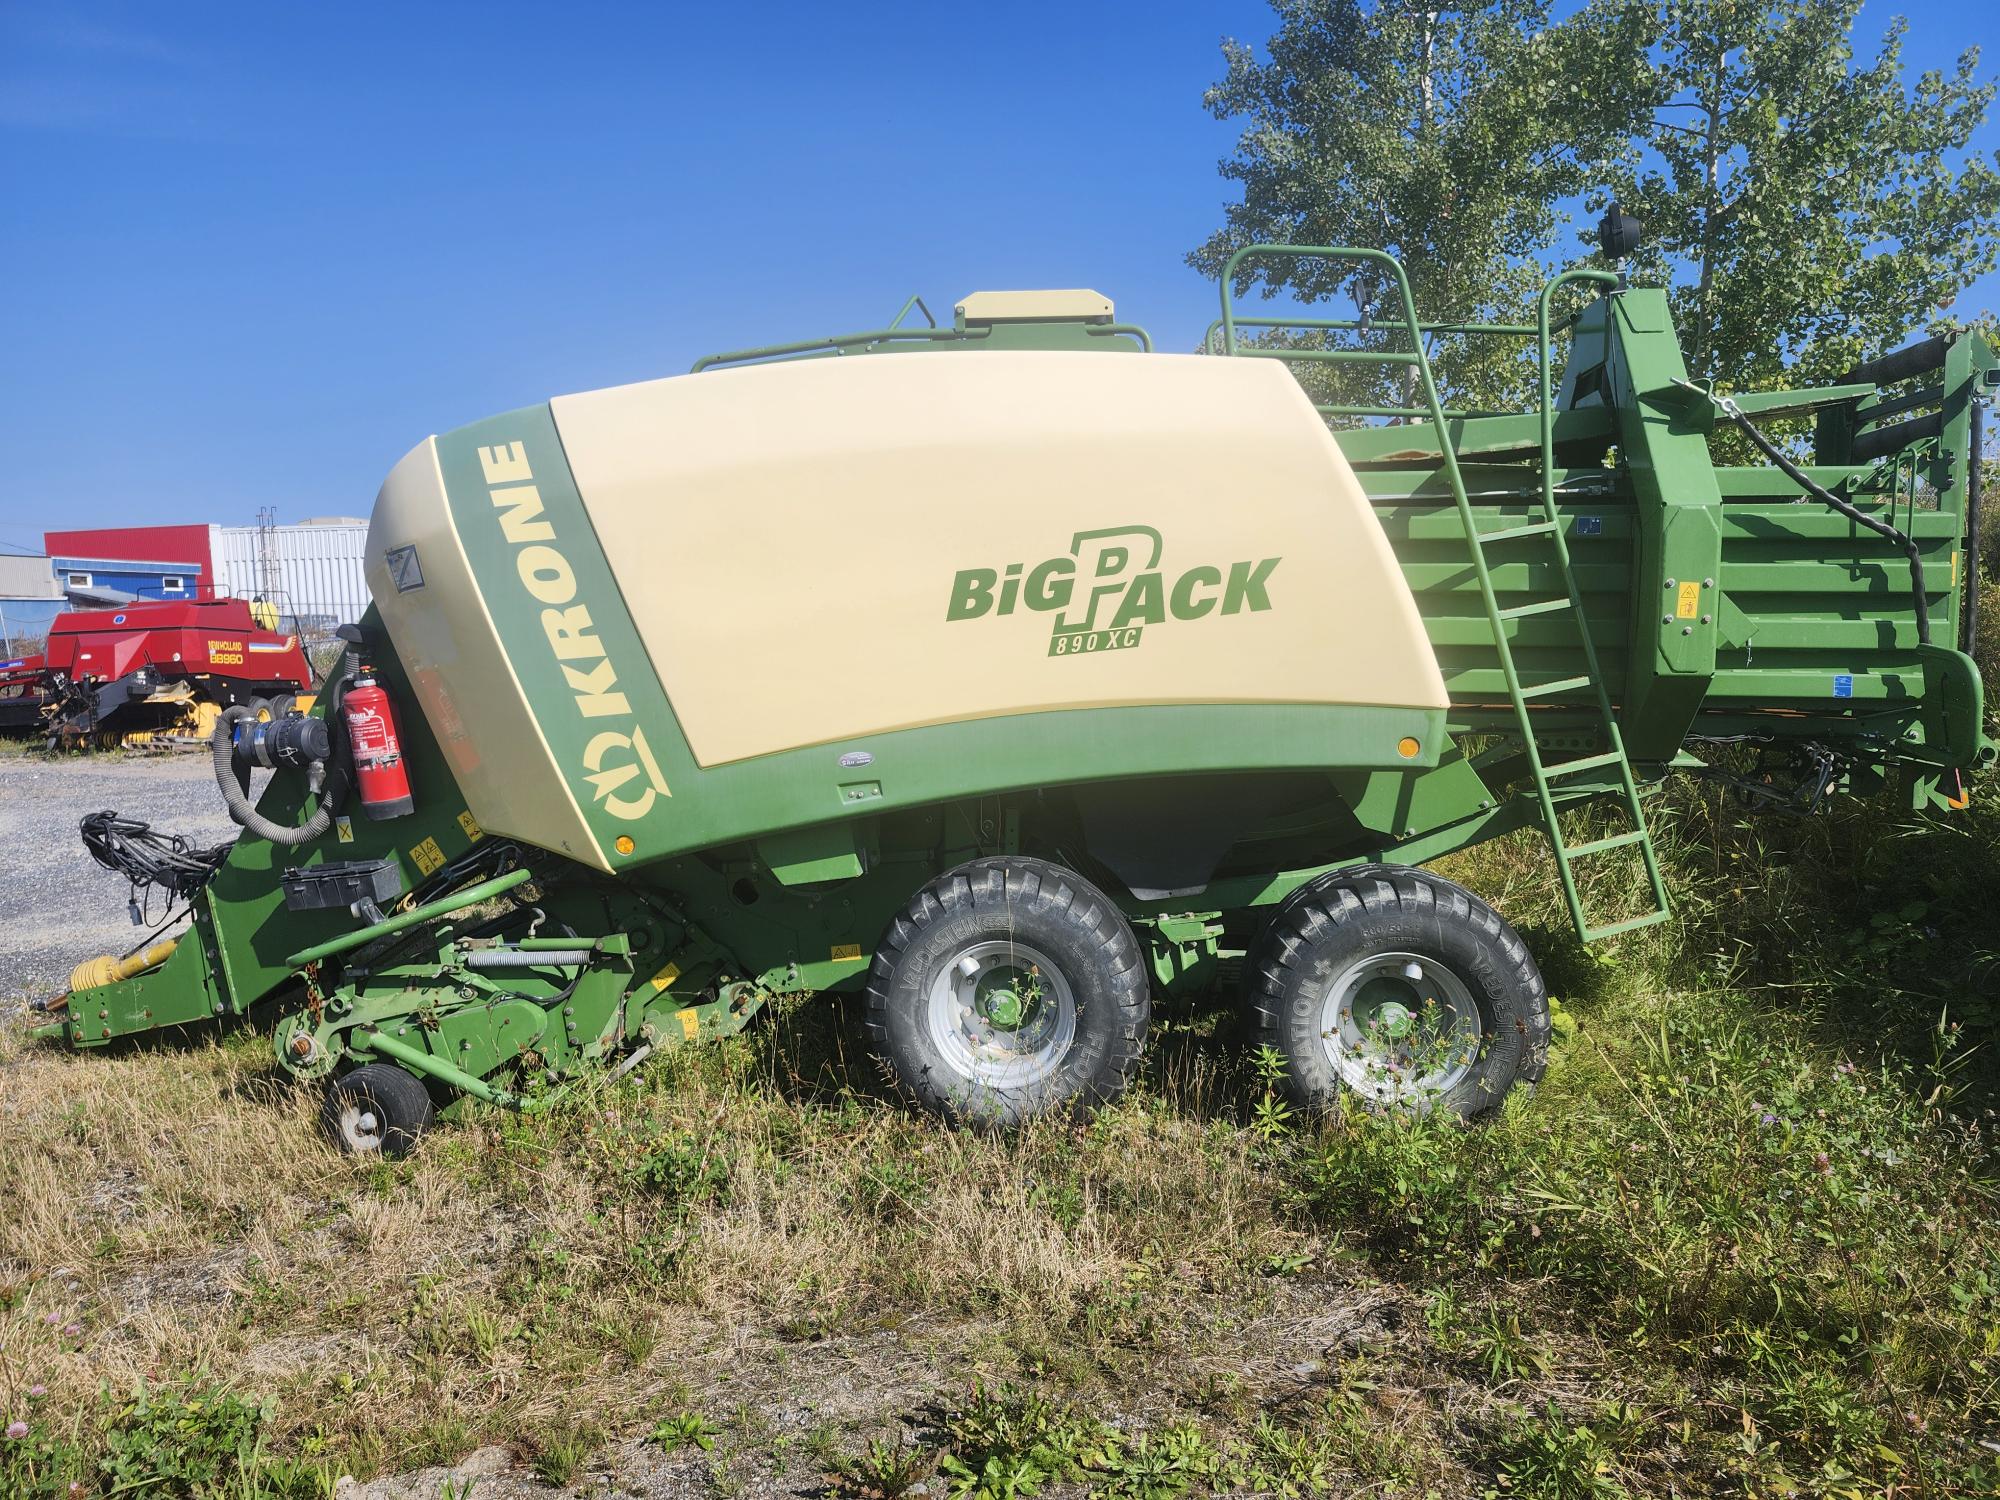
<point>624,768</point>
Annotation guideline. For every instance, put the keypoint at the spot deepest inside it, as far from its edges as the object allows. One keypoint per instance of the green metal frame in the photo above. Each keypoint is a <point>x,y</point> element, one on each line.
<point>1546,528</point>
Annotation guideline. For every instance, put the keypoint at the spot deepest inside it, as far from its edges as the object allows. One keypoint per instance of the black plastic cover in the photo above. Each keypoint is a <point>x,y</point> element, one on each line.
<point>342,884</point>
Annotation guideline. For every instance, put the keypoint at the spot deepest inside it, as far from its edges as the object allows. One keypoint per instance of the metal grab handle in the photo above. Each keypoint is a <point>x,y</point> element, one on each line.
<point>472,895</point>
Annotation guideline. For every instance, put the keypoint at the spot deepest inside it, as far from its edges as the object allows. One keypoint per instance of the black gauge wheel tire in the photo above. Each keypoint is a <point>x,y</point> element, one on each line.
<point>377,1110</point>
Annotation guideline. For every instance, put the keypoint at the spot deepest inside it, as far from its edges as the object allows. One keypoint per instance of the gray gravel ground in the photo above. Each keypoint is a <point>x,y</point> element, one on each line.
<point>58,906</point>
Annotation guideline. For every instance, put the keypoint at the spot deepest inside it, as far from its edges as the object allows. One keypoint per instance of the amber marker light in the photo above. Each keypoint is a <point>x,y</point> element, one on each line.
<point>1408,748</point>
<point>625,844</point>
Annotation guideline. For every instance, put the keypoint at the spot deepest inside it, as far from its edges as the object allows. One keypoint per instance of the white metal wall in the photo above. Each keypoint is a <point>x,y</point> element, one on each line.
<point>313,570</point>
<point>28,578</point>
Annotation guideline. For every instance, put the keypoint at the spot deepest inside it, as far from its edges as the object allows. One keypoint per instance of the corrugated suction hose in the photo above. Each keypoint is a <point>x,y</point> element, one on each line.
<point>236,790</point>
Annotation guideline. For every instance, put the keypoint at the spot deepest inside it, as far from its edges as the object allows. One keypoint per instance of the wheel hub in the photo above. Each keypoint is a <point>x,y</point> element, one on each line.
<point>1400,1027</point>
<point>361,1128</point>
<point>1002,1015</point>
<point>1393,1020</point>
<point>1005,996</point>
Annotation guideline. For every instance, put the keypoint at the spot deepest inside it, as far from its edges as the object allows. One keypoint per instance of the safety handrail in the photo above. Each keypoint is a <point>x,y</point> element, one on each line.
<point>837,344</point>
<point>918,303</point>
<point>841,343</point>
<point>1543,334</point>
<point>1447,453</point>
<point>1227,325</point>
<point>1356,325</point>
<point>895,332</point>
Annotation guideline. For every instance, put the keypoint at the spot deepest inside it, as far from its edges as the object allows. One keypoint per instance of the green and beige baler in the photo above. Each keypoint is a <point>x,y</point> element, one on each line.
<point>1014,687</point>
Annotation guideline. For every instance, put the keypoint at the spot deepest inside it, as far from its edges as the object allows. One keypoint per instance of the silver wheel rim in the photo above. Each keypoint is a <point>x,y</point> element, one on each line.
<point>1001,1015</point>
<point>1400,1028</point>
<point>361,1129</point>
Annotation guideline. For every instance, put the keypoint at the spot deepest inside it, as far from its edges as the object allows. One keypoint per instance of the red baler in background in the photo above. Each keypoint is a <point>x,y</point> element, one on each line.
<point>149,667</point>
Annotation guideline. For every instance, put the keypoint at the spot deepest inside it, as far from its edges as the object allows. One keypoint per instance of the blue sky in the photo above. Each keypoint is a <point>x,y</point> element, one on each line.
<point>254,253</point>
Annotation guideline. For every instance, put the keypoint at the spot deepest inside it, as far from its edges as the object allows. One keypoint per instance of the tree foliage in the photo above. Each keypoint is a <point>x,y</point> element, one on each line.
<point>1806,210</point>
<point>1449,135</point>
<point>1801,208</point>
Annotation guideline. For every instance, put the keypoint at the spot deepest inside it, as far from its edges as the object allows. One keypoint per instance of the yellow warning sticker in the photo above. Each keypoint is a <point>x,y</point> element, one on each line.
<point>666,976</point>
<point>690,1023</point>
<point>471,826</point>
<point>428,857</point>
<point>846,952</point>
<point>1688,605</point>
<point>343,829</point>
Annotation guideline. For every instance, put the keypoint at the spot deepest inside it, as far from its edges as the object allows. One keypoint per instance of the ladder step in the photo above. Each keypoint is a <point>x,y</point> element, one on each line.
<point>1598,846</point>
<point>1539,607</point>
<point>1548,689</point>
<point>1585,763</point>
<point>1512,533</point>
<point>1591,934</point>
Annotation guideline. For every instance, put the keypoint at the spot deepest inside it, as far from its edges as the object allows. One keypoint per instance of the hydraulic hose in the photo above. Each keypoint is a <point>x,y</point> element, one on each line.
<point>1826,497</point>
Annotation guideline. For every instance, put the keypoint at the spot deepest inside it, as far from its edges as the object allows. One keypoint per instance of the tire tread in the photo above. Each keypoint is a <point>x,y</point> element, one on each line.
<point>1016,882</point>
<point>1337,899</point>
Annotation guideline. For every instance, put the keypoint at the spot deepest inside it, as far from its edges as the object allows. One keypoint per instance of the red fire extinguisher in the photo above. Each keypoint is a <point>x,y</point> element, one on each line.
<point>380,777</point>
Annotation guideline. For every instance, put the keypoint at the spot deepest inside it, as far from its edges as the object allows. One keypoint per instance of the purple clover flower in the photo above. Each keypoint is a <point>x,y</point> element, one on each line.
<point>17,1429</point>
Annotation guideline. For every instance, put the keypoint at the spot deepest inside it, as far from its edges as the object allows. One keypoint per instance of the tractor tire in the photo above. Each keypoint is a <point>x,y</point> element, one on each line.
<point>1399,988</point>
<point>1008,989</point>
<point>377,1110</point>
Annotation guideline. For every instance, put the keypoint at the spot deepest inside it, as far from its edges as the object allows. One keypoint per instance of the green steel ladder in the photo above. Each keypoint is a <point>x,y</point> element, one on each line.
<point>1551,779</point>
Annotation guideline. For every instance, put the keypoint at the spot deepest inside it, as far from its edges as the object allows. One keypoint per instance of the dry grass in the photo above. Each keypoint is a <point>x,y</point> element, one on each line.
<point>1595,1296</point>
<point>746,1234</point>
<point>681,1239</point>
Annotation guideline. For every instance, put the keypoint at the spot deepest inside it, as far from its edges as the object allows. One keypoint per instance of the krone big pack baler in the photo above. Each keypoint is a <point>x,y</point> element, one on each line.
<point>1016,687</point>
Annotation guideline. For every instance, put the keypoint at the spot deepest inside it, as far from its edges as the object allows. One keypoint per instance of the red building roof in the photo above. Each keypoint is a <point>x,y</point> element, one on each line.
<point>187,545</point>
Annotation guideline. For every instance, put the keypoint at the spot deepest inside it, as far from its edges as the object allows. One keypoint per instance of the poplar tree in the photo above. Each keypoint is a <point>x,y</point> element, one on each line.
<point>1805,209</point>
<point>1451,135</point>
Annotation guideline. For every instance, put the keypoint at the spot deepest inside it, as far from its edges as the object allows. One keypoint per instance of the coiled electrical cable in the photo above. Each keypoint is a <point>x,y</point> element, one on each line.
<point>171,861</point>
